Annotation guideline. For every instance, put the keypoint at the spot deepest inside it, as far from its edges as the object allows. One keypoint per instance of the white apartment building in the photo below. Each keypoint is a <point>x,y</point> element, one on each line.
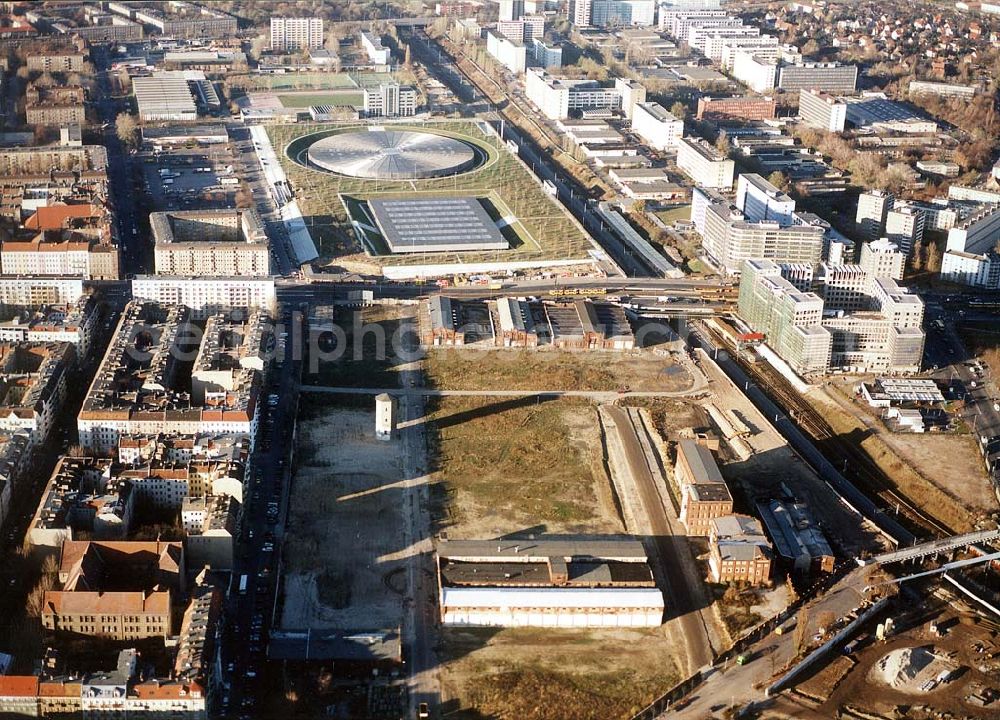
<point>512,54</point>
<point>658,127</point>
<point>760,74</point>
<point>819,110</point>
<point>729,239</point>
<point>378,55</point>
<point>873,207</point>
<point>828,77</point>
<point>545,56</point>
<point>763,46</point>
<point>980,270</point>
<point>210,243</point>
<point>632,93</point>
<point>760,201</point>
<point>37,291</point>
<point>296,33</point>
<point>704,164</point>
<point>206,295</point>
<point>708,40</point>
<point>904,226</point>
<point>390,100</point>
<point>556,97</point>
<point>882,258</point>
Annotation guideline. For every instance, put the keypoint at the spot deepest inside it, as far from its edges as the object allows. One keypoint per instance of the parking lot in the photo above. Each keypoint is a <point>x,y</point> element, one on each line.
<point>191,178</point>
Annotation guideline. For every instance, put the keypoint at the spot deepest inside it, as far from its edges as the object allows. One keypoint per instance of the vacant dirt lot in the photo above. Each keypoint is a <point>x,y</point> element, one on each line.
<point>344,551</point>
<point>528,674</point>
<point>937,473</point>
<point>464,369</point>
<point>511,465</point>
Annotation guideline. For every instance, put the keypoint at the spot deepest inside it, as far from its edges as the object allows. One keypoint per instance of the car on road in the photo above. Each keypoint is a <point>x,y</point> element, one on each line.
<point>423,711</point>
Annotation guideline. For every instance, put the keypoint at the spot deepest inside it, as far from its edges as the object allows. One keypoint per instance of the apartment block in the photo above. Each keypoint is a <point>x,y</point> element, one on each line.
<point>390,100</point>
<point>820,110</point>
<point>136,392</point>
<point>758,73</point>
<point>788,317</point>
<point>730,239</point>
<point>60,58</point>
<point>904,226</point>
<point>210,530</point>
<point>704,164</point>
<point>873,208</point>
<point>827,77</point>
<point>760,201</point>
<point>378,55</point>
<point>557,97</point>
<point>736,108</point>
<point>177,19</point>
<point>56,105</point>
<point>658,127</point>
<point>765,47</point>
<point>117,590</point>
<point>545,56</point>
<point>882,258</point>
<point>512,54</point>
<point>198,243</point>
<point>296,33</point>
<point>207,295</point>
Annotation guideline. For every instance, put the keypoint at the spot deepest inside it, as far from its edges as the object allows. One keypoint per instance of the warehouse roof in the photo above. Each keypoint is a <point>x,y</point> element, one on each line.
<point>436,225</point>
<point>699,458</point>
<point>539,551</point>
<point>552,598</point>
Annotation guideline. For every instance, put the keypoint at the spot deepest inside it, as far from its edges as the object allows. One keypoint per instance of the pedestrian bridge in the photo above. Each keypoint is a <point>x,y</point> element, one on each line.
<point>934,547</point>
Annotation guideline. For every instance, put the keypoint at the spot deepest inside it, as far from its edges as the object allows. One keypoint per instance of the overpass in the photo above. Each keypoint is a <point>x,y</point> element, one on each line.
<point>934,547</point>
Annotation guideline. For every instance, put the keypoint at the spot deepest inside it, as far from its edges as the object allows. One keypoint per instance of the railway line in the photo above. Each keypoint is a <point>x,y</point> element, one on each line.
<point>855,462</point>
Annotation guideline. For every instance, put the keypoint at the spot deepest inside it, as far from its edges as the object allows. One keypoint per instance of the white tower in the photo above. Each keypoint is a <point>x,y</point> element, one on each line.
<point>386,409</point>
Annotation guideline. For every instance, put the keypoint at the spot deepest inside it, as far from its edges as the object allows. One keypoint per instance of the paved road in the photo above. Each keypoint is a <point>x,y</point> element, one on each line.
<point>669,545</point>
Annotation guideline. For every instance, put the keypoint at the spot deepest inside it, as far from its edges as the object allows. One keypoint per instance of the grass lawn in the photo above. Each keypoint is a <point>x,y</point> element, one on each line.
<point>681,212</point>
<point>304,100</point>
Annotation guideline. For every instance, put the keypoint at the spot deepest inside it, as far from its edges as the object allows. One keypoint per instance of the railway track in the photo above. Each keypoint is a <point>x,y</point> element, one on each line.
<point>851,459</point>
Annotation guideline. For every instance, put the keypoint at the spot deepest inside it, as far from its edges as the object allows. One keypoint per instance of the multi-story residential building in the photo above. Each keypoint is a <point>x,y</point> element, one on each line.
<point>33,382</point>
<point>980,270</point>
<point>729,239</point>
<point>58,58</point>
<point>117,590</point>
<point>788,317</point>
<point>862,323</point>
<point>580,12</point>
<point>378,54</point>
<point>704,164</point>
<point>227,243</point>
<point>210,530</point>
<point>904,226</point>
<point>658,127</point>
<point>820,110</point>
<point>206,295</point>
<point>390,100</point>
<point>736,108</point>
<point>512,54</point>
<point>97,26</point>
<point>765,47</point>
<point>545,56</point>
<point>708,40</point>
<point>759,73</point>
<point>828,77</point>
<point>873,208</point>
<point>39,291</point>
<point>177,19</point>
<point>511,10</point>
<point>296,33</point>
<point>882,258</point>
<point>921,87</point>
<point>55,105</point>
<point>632,94</point>
<point>72,323</point>
<point>524,29</point>
<point>739,551</point>
<point>557,97</point>
<point>135,390</point>
<point>760,201</point>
